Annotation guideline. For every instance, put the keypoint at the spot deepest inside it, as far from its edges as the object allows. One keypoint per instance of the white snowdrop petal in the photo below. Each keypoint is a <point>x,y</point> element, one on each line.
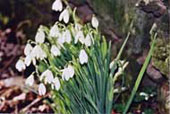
<point>41,89</point>
<point>55,50</point>
<point>30,80</point>
<point>54,31</point>
<point>95,22</point>
<point>64,16</point>
<point>38,53</point>
<point>20,65</point>
<point>88,40</point>
<point>57,5</point>
<point>67,36</point>
<point>68,73</point>
<point>71,71</point>
<point>28,60</point>
<point>65,74</point>
<point>83,57</point>
<point>79,37</point>
<point>40,37</point>
<point>28,49</point>
<point>34,61</point>
<point>48,75</point>
<point>56,83</point>
<point>60,40</point>
<point>111,64</point>
<point>49,78</point>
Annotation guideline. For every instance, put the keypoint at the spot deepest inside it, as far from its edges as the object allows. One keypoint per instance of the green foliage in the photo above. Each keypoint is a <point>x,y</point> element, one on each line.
<point>90,91</point>
<point>119,107</point>
<point>141,74</point>
<point>148,111</point>
<point>161,56</point>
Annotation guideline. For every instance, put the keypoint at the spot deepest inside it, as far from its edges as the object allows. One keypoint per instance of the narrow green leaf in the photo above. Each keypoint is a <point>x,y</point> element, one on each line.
<point>140,76</point>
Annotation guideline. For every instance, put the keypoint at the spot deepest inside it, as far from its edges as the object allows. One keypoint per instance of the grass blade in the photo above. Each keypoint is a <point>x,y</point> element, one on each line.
<point>142,71</point>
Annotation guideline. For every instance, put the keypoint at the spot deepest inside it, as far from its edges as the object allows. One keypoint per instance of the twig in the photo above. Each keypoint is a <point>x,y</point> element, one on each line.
<point>32,103</point>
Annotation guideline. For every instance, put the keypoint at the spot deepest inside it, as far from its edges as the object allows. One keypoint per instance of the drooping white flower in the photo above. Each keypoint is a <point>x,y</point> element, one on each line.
<point>38,53</point>
<point>94,22</point>
<point>83,57</point>
<point>30,80</point>
<point>71,70</point>
<point>67,36</point>
<point>48,76</point>
<point>54,31</point>
<point>57,5</point>
<point>121,69</point>
<point>88,40</point>
<point>56,83</point>
<point>145,95</point>
<point>68,73</point>
<point>64,16</point>
<point>20,65</point>
<point>60,40</point>
<point>55,50</point>
<point>41,89</point>
<point>28,59</point>
<point>28,49</point>
<point>111,64</point>
<point>40,37</point>
<point>79,37</point>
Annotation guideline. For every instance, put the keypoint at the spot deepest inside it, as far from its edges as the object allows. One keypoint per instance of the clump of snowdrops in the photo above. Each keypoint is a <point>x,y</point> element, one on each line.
<point>73,62</point>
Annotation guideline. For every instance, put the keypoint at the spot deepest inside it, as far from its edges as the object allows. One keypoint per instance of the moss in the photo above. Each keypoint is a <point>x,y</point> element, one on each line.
<point>161,56</point>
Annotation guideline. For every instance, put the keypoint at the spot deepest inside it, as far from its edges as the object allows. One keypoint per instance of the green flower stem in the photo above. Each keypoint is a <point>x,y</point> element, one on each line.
<point>140,76</point>
<point>123,46</point>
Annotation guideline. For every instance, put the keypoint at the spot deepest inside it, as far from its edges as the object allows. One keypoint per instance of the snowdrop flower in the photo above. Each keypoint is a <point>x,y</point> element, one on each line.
<point>60,40</point>
<point>56,83</point>
<point>64,16</point>
<point>54,31</point>
<point>30,80</point>
<point>20,65</point>
<point>95,22</point>
<point>111,64</point>
<point>41,89</point>
<point>119,72</point>
<point>48,76</point>
<point>40,37</point>
<point>88,40</point>
<point>68,73</point>
<point>28,59</point>
<point>57,5</point>
<point>145,95</point>
<point>38,53</point>
<point>67,36</point>
<point>125,65</point>
<point>71,70</point>
<point>28,49</point>
<point>121,69</point>
<point>55,50</point>
<point>83,57</point>
<point>79,36</point>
